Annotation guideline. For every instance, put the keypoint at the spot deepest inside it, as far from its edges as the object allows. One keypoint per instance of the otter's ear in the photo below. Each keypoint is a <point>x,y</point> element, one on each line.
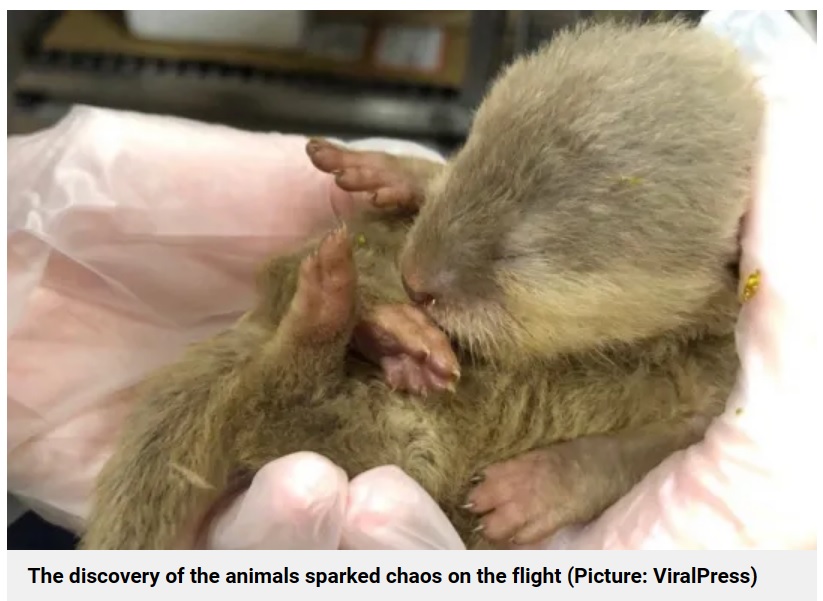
<point>734,269</point>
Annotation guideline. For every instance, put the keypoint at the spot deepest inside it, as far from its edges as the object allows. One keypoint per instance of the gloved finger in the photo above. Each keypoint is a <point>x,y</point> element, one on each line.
<point>295,502</point>
<point>389,510</point>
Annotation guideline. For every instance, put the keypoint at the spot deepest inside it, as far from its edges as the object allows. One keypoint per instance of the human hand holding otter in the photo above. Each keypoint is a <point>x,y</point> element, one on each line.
<point>380,517</point>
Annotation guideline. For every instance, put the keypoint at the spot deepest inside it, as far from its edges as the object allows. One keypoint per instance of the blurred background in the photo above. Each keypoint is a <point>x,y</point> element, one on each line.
<point>416,75</point>
<point>410,74</point>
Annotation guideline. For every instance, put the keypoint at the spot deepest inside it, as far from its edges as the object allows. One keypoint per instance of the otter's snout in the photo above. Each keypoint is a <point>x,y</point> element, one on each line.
<point>415,290</point>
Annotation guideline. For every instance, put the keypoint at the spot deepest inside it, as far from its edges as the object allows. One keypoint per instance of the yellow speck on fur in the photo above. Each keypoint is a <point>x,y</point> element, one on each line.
<point>630,180</point>
<point>751,286</point>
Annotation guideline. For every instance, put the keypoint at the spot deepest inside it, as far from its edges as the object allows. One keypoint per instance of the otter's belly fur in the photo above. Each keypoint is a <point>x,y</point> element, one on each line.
<point>495,413</point>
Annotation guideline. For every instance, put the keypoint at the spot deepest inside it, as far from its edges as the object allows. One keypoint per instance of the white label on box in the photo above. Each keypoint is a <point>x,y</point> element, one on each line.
<point>419,48</point>
<point>339,41</point>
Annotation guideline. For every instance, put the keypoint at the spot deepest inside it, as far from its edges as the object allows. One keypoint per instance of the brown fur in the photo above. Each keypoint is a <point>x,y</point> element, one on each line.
<point>579,248</point>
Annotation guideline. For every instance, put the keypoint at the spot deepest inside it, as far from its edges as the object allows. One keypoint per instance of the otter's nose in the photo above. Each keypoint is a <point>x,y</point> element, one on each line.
<point>417,295</point>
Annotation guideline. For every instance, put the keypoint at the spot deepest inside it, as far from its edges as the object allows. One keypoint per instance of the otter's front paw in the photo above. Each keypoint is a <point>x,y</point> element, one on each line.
<point>378,177</point>
<point>525,500</point>
<point>414,353</point>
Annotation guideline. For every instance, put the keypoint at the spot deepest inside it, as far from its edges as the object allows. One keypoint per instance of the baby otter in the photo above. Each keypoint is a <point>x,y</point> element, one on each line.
<point>579,254</point>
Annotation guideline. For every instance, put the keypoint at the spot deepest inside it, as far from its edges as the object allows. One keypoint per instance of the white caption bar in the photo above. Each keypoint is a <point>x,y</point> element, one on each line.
<point>88,576</point>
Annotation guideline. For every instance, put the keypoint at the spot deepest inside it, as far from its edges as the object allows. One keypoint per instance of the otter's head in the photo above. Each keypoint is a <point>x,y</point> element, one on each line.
<point>590,205</point>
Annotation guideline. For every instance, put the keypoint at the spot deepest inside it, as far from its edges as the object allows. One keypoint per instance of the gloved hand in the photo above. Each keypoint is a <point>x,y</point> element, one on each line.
<point>304,501</point>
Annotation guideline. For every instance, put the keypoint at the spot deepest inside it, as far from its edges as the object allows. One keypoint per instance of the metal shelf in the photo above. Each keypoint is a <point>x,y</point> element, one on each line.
<point>255,103</point>
<point>260,100</point>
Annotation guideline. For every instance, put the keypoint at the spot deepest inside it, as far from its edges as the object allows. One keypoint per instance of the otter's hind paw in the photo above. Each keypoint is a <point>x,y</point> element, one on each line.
<point>526,499</point>
<point>323,304</point>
